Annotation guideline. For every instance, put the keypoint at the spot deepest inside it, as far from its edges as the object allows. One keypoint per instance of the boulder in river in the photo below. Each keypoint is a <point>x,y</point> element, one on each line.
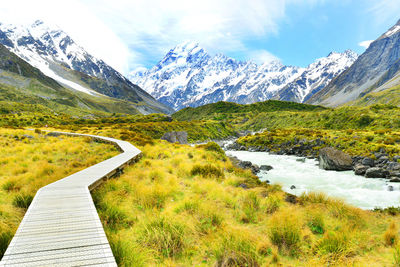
<point>360,169</point>
<point>266,167</point>
<point>301,159</point>
<point>333,159</point>
<point>368,162</point>
<point>394,180</point>
<point>173,137</point>
<point>375,172</point>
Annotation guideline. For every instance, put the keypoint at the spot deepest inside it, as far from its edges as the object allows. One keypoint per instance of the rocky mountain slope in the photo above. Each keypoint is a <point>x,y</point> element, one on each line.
<point>22,83</point>
<point>189,76</point>
<point>376,70</point>
<point>53,52</point>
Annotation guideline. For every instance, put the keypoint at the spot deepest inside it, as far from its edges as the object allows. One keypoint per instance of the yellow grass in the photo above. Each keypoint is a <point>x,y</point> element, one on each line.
<point>161,212</point>
<point>29,160</point>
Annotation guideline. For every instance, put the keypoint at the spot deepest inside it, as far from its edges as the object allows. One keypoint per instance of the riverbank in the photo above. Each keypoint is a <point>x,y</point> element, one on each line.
<point>372,156</point>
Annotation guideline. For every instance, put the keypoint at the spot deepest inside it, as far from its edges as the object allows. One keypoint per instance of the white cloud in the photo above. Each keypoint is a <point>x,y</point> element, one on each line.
<point>365,44</point>
<point>128,34</point>
<point>77,20</point>
<point>262,56</point>
<point>152,27</point>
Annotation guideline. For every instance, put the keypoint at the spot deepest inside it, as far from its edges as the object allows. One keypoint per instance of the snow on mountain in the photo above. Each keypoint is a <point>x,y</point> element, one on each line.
<point>41,45</point>
<point>51,50</point>
<point>316,76</point>
<point>189,76</point>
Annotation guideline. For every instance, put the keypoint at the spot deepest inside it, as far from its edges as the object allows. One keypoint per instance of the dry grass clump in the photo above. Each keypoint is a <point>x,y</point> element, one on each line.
<point>391,236</point>
<point>285,231</point>
<point>236,249</point>
<point>163,235</point>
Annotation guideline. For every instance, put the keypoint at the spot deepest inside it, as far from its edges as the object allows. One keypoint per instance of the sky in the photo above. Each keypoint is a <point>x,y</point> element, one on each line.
<point>136,34</point>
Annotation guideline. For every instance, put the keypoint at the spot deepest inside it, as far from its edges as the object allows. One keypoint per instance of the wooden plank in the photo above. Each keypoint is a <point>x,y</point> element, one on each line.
<point>61,226</point>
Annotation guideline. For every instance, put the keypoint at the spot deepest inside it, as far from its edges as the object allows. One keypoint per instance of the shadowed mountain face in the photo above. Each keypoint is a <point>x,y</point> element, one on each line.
<point>375,70</point>
<point>53,52</point>
<point>189,76</point>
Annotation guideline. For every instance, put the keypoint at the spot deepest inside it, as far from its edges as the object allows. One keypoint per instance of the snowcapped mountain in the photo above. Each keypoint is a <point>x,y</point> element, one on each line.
<point>316,76</point>
<point>54,52</point>
<point>189,76</point>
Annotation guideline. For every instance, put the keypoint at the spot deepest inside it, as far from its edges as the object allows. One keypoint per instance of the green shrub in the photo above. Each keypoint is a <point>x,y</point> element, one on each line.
<point>316,223</point>
<point>207,171</point>
<point>11,186</point>
<point>22,201</point>
<point>212,146</point>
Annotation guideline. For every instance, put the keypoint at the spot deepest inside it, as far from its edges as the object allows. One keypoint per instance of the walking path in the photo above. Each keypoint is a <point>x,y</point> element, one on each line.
<point>61,226</point>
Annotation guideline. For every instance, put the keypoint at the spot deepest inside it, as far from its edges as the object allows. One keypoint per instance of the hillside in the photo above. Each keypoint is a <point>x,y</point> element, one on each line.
<point>220,109</point>
<point>20,82</point>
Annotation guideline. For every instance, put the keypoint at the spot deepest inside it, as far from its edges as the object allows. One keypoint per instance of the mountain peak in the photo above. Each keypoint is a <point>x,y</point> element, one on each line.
<point>184,53</point>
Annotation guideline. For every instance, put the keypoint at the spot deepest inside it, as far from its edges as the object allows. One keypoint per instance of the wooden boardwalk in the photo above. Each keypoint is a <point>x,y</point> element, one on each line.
<point>61,226</point>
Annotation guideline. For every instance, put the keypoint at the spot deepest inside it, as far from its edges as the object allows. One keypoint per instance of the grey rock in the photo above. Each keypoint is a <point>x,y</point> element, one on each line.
<point>333,159</point>
<point>390,188</point>
<point>394,180</point>
<point>368,162</point>
<point>28,136</point>
<point>396,158</point>
<point>266,167</point>
<point>360,169</point>
<point>293,187</point>
<point>393,166</point>
<point>301,160</point>
<point>173,137</point>
<point>376,172</point>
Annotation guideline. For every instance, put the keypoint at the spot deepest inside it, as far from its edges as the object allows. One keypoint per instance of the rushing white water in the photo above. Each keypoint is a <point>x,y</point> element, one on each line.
<point>307,176</point>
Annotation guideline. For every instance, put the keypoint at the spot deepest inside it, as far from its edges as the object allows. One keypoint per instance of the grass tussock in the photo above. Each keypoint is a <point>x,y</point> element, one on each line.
<point>391,236</point>
<point>165,236</point>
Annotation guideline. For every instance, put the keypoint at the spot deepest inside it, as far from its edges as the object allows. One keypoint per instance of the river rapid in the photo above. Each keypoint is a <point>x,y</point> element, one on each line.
<point>365,193</point>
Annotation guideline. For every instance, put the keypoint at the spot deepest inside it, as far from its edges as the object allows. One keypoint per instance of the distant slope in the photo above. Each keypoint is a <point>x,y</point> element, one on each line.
<point>20,82</point>
<point>377,69</point>
<point>53,52</point>
<point>390,96</point>
<point>211,111</point>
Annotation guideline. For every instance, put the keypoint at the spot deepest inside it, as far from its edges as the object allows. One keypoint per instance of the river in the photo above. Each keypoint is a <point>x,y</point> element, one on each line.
<point>359,191</point>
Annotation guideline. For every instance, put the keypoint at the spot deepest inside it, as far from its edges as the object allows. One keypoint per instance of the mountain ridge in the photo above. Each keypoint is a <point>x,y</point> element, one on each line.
<point>189,76</point>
